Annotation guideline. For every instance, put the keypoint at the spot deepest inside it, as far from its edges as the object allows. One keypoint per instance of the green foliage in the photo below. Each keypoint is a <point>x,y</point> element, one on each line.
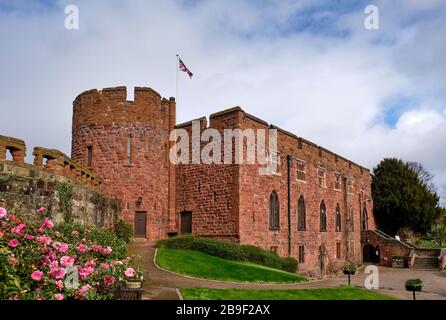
<point>123,230</point>
<point>414,283</point>
<point>427,244</point>
<point>65,191</point>
<point>402,199</point>
<point>35,256</point>
<point>200,265</point>
<point>230,251</point>
<point>341,293</point>
<point>438,234</point>
<point>93,234</point>
<point>350,268</point>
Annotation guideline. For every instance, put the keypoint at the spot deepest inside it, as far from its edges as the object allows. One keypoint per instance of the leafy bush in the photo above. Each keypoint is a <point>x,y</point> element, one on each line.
<point>37,257</point>
<point>230,251</point>
<point>350,268</point>
<point>123,230</point>
<point>414,283</point>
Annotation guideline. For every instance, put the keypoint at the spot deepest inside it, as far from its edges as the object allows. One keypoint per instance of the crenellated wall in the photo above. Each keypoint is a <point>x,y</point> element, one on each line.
<point>31,186</point>
<point>127,144</point>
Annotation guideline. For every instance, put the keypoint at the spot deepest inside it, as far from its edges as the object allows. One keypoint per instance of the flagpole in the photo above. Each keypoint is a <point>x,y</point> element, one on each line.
<point>176,88</point>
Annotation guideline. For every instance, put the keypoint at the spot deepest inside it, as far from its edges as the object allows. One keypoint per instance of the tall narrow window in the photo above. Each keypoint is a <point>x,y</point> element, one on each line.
<point>338,217</point>
<point>301,174</point>
<point>89,156</point>
<point>351,219</point>
<point>321,177</point>
<point>364,220</point>
<point>323,213</point>
<point>338,250</point>
<point>301,214</point>
<point>274,211</point>
<point>129,149</point>
<point>301,255</point>
<point>337,184</point>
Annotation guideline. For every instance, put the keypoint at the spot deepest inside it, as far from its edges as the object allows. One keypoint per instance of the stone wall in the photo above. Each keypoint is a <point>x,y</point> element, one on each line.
<point>129,148</point>
<point>232,201</point>
<point>26,187</point>
<point>388,247</point>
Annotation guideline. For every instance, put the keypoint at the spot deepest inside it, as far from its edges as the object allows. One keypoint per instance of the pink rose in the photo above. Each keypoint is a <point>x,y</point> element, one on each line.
<point>58,296</point>
<point>47,223</point>
<point>13,243</point>
<point>67,261</point>
<point>18,229</point>
<point>82,248</point>
<point>107,250</point>
<point>130,272</point>
<point>41,209</point>
<point>59,285</point>
<point>29,237</point>
<point>96,248</point>
<point>63,248</point>
<point>3,213</point>
<point>44,239</point>
<point>109,280</point>
<point>1,233</point>
<point>104,266</point>
<point>37,275</point>
<point>85,289</point>
<point>60,274</point>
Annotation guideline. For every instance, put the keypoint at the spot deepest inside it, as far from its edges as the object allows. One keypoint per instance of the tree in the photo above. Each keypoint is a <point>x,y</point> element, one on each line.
<point>402,199</point>
<point>425,176</point>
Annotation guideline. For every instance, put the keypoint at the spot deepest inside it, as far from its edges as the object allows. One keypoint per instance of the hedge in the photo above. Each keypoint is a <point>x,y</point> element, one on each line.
<point>230,251</point>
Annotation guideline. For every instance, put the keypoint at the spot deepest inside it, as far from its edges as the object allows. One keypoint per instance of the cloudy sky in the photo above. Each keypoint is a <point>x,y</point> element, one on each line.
<point>310,67</point>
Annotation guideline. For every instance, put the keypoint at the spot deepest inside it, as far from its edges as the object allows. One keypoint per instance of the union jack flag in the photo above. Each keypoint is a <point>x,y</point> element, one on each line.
<point>184,68</point>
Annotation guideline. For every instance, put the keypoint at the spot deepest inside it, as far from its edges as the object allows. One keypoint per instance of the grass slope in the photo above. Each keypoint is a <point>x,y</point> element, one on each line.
<point>341,293</point>
<point>201,265</point>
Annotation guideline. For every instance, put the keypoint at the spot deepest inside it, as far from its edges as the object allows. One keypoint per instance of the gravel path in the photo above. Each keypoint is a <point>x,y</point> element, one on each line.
<point>163,285</point>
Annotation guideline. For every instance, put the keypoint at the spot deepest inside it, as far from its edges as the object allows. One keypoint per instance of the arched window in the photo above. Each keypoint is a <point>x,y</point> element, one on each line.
<point>364,220</point>
<point>301,215</point>
<point>338,217</point>
<point>323,216</point>
<point>351,220</point>
<point>274,211</point>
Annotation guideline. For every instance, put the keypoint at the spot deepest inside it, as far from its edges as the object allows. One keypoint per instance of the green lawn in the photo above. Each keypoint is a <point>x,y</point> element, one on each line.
<point>341,293</point>
<point>201,265</point>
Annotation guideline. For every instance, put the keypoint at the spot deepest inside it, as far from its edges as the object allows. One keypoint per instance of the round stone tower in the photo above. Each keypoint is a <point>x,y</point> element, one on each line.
<point>127,144</point>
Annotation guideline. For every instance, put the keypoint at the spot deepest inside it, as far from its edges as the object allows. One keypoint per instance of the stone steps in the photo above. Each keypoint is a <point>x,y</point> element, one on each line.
<point>426,263</point>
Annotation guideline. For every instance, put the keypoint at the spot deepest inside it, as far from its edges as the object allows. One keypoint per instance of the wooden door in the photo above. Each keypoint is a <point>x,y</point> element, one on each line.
<point>140,224</point>
<point>186,222</point>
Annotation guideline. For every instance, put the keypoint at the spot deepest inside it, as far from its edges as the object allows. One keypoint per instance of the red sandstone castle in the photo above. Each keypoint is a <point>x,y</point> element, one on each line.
<point>313,208</point>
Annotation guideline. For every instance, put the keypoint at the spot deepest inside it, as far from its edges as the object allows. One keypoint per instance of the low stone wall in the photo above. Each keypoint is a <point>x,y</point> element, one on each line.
<point>388,247</point>
<point>26,187</point>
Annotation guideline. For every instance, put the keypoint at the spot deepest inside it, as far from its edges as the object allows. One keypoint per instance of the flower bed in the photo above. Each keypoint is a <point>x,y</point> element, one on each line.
<point>41,261</point>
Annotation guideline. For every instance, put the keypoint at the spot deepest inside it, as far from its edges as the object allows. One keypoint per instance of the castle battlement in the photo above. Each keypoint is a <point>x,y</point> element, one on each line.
<point>46,161</point>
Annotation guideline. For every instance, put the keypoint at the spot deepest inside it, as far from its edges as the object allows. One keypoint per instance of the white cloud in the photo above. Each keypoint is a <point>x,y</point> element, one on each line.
<point>327,89</point>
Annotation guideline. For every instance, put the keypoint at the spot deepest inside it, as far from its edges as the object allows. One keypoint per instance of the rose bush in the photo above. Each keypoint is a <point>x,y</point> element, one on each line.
<point>39,259</point>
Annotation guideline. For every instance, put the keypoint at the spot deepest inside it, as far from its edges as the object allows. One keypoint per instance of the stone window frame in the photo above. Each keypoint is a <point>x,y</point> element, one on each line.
<point>338,250</point>
<point>274,211</point>
<point>322,181</point>
<point>336,176</point>
<point>301,253</point>
<point>269,156</point>
<point>338,218</point>
<point>301,216</point>
<point>350,186</point>
<point>323,216</point>
<point>89,155</point>
<point>301,173</point>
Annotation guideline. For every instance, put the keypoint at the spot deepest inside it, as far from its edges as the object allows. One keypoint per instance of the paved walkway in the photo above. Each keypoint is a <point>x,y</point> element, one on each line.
<point>162,285</point>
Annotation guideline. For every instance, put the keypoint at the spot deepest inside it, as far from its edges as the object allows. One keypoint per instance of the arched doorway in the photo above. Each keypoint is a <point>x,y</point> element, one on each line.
<point>370,253</point>
<point>321,262</point>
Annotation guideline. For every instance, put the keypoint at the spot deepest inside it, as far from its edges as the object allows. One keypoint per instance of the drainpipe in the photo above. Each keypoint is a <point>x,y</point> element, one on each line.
<point>288,158</point>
